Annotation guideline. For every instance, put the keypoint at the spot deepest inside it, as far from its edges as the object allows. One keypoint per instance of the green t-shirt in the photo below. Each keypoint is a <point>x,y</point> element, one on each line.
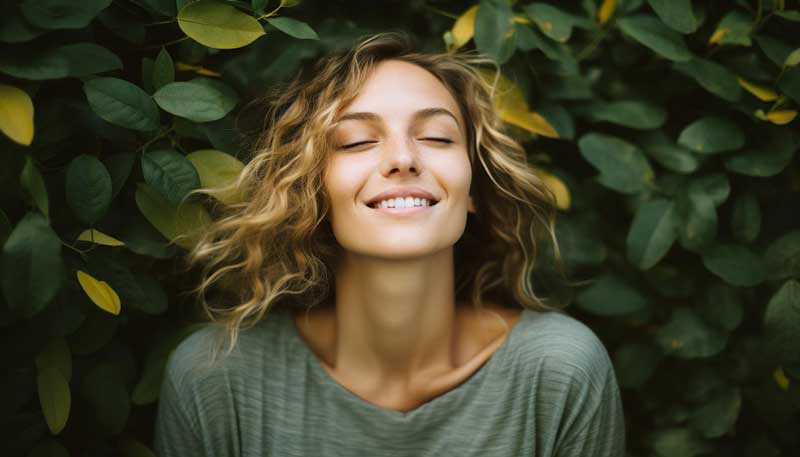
<point>548,390</point>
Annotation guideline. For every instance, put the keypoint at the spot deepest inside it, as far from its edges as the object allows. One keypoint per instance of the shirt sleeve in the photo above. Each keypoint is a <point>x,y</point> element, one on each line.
<point>593,424</point>
<point>175,435</point>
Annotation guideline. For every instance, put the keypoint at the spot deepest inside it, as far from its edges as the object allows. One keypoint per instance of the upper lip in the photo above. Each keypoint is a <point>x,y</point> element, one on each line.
<point>403,191</point>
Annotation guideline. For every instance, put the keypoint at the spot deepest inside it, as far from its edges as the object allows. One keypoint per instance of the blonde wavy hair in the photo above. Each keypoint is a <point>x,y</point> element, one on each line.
<point>276,248</point>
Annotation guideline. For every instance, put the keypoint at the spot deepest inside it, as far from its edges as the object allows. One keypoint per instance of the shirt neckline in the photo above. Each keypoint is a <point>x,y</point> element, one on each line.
<point>322,375</point>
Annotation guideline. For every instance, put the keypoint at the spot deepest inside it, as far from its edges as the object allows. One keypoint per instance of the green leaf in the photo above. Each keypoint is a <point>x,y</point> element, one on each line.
<point>15,29</point>
<point>218,25</point>
<point>677,441</point>
<point>293,27</point>
<point>551,21</point>
<point>119,166</point>
<point>216,170</point>
<point>792,59</point>
<point>671,156</point>
<point>652,233</point>
<point>711,134</point>
<point>719,413</point>
<point>746,219</point>
<point>698,215</point>
<point>623,167</point>
<point>712,76</point>
<point>783,256</point>
<point>49,448</point>
<point>635,114</point>
<point>88,189</point>
<point>170,173</point>
<point>71,60</point>
<point>677,14</point>
<point>686,336</point>
<point>736,264</point>
<point>771,155</point>
<point>776,50</point>
<point>736,26</point>
<point>163,70</point>
<point>199,100</point>
<point>97,330</point>
<point>32,272</point>
<point>789,83</point>
<point>610,295</point>
<point>494,33</point>
<point>715,185</point>
<point>33,184</point>
<point>56,355</point>
<point>782,323</point>
<point>187,221</point>
<point>721,306</point>
<point>635,363</point>
<point>651,32</point>
<point>54,398</point>
<point>122,103</point>
<point>62,14</point>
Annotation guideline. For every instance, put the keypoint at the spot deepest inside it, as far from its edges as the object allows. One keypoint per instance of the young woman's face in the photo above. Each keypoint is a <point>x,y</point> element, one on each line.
<point>384,141</point>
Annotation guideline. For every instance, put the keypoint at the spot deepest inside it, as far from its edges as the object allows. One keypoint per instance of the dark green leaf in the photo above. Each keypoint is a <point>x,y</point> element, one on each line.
<point>711,135</point>
<point>718,414</point>
<point>671,156</point>
<point>635,114</point>
<point>62,14</point>
<point>635,363</point>
<point>677,14</point>
<point>199,100</point>
<point>651,32</point>
<point>652,233</point>
<point>163,69</point>
<point>32,268</point>
<point>32,182</point>
<point>294,28</point>
<point>551,21</point>
<point>122,103</point>
<point>686,336</point>
<point>699,219</point>
<point>623,167</point>
<point>746,219</point>
<point>77,59</point>
<point>736,26</point>
<point>736,264</point>
<point>170,173</point>
<point>721,305</point>
<point>610,295</point>
<point>769,156</point>
<point>492,25</point>
<point>712,76</point>
<point>88,189</point>
<point>782,323</point>
<point>783,256</point>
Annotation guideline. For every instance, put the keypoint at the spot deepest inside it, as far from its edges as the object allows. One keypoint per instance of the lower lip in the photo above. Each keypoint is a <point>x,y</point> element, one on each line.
<point>403,211</point>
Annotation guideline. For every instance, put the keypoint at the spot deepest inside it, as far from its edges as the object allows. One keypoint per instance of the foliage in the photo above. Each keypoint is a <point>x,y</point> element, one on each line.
<point>667,129</point>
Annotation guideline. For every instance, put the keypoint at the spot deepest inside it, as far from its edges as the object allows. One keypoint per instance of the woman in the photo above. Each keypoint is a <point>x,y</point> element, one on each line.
<point>384,204</point>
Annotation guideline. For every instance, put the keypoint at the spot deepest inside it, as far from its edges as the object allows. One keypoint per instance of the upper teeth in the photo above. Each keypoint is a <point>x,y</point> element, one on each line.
<point>401,202</point>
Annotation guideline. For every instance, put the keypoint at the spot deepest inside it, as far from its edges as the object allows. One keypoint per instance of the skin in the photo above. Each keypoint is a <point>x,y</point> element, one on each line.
<point>396,337</point>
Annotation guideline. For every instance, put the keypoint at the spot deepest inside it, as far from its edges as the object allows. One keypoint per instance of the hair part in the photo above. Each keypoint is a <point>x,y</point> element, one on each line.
<point>276,248</point>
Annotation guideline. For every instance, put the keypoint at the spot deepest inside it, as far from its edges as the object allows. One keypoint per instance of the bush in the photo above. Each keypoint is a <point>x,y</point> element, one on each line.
<point>667,129</point>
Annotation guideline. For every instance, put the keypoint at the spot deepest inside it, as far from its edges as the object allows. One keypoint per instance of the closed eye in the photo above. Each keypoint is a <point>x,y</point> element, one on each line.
<point>352,145</point>
<point>443,140</point>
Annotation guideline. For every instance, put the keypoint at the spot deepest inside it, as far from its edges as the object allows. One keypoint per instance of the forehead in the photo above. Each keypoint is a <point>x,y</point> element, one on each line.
<point>397,88</point>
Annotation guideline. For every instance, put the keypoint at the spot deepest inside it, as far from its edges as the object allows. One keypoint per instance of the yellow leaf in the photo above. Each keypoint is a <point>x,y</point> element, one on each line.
<point>717,35</point>
<point>511,107</point>
<point>217,170</point>
<point>781,379</point>
<point>181,225</point>
<point>180,66</point>
<point>606,11</point>
<point>218,25</point>
<point>763,93</point>
<point>464,27</point>
<point>530,121</point>
<point>781,117</point>
<point>98,237</point>
<point>100,292</point>
<point>16,114</point>
<point>558,187</point>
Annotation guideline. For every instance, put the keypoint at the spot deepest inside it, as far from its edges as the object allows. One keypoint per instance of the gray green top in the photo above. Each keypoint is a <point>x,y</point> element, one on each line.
<point>548,390</point>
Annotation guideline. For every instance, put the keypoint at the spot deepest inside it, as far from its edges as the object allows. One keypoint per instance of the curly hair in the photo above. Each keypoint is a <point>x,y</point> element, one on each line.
<point>276,248</point>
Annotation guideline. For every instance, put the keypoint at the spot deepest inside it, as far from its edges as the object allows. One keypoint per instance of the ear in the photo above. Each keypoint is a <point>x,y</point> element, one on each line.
<point>472,208</point>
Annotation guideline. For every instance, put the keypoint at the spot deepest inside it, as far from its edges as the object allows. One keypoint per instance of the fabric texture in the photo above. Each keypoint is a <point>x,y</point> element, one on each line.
<point>548,390</point>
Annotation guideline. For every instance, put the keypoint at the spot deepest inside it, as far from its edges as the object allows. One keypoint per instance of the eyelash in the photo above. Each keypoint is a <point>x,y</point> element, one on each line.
<point>442,140</point>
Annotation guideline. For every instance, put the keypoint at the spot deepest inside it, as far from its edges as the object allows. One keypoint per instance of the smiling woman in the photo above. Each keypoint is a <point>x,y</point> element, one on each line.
<point>376,291</point>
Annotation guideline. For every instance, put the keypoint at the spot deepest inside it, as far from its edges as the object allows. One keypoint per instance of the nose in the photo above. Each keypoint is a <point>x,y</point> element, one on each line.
<point>400,157</point>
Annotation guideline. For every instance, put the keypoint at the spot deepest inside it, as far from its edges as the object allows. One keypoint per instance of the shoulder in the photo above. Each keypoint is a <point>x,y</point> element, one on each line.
<point>563,347</point>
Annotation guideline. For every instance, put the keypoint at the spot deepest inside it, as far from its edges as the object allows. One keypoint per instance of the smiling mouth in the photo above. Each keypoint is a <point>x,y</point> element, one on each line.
<point>397,208</point>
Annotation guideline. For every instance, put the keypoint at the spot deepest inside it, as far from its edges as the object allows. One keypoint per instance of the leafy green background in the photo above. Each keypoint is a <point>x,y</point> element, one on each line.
<point>675,156</point>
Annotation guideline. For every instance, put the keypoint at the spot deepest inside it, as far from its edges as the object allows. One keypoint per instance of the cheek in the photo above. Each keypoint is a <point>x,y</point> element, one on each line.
<point>342,180</point>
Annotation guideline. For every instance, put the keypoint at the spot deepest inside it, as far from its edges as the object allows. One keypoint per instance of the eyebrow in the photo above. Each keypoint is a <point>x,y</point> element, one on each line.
<point>424,113</point>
